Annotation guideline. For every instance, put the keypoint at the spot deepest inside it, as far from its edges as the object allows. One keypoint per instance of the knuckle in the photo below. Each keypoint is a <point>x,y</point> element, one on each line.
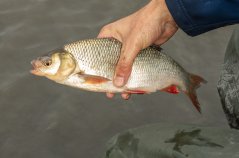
<point>139,44</point>
<point>135,42</point>
<point>105,28</point>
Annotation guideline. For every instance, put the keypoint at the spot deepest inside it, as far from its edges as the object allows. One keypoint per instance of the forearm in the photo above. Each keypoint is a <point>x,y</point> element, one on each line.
<point>198,16</point>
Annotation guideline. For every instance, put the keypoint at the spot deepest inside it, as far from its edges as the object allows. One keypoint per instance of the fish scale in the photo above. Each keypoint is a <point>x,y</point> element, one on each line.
<point>90,65</point>
<point>99,57</point>
<point>91,59</point>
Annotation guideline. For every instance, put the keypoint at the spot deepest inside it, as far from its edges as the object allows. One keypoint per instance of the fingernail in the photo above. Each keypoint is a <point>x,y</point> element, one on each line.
<point>126,97</point>
<point>110,95</point>
<point>119,81</point>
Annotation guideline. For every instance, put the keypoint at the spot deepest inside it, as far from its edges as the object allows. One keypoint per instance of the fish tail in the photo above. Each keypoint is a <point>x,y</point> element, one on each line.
<point>195,82</point>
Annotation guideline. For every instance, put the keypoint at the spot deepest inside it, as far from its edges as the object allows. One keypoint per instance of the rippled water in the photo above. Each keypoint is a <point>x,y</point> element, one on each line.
<point>39,118</point>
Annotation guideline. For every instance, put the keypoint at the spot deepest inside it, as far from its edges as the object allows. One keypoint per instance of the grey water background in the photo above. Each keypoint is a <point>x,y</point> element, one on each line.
<point>39,118</point>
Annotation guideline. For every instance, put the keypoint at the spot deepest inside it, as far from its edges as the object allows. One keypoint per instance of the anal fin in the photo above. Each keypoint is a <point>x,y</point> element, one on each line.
<point>171,89</point>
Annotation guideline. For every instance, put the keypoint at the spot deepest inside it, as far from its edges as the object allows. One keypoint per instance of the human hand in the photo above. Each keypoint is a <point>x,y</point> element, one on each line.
<point>152,24</point>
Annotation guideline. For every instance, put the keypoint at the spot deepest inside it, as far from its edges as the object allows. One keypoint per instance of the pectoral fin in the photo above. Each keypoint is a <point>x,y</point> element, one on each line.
<point>91,79</point>
<point>136,91</point>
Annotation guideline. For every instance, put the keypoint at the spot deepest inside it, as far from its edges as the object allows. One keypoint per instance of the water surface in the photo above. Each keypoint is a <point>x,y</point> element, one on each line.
<point>39,118</point>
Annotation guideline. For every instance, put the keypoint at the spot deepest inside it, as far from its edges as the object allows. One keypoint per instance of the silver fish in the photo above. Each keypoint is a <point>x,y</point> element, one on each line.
<point>90,65</point>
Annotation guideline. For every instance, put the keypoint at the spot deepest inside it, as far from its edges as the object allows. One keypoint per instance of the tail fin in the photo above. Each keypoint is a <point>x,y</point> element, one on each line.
<point>195,82</point>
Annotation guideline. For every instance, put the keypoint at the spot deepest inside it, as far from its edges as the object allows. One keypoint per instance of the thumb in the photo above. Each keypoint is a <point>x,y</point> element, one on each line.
<point>129,51</point>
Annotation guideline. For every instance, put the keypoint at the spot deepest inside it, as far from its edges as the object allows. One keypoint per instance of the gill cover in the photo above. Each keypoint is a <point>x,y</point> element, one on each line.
<point>67,64</point>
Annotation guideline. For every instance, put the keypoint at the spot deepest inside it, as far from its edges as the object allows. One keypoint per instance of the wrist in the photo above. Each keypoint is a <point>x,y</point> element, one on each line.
<point>164,12</point>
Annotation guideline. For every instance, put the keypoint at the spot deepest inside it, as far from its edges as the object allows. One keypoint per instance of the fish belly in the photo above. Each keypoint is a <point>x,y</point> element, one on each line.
<point>134,85</point>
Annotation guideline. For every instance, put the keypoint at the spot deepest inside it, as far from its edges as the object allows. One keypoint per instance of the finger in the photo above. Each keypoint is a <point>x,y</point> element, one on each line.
<point>125,96</point>
<point>110,32</point>
<point>105,32</point>
<point>110,95</point>
<point>159,42</point>
<point>162,39</point>
<point>124,66</point>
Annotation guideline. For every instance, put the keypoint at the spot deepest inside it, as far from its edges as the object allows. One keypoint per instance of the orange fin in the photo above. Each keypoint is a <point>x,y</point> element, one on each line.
<point>171,89</point>
<point>195,82</point>
<point>91,79</point>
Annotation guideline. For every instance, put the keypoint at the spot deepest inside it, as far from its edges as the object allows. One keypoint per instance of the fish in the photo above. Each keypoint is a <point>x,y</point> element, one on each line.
<point>90,65</point>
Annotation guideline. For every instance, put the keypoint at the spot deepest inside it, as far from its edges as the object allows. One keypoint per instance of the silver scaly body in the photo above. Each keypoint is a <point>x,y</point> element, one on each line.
<point>152,69</point>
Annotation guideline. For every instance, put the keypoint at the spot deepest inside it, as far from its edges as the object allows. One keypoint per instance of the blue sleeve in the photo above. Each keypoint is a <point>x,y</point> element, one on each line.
<point>198,16</point>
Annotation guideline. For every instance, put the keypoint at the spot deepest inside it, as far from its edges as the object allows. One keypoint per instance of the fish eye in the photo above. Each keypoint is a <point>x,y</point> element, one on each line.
<point>47,63</point>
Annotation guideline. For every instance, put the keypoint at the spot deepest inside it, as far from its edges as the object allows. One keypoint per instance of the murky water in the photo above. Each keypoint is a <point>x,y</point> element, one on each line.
<point>39,118</point>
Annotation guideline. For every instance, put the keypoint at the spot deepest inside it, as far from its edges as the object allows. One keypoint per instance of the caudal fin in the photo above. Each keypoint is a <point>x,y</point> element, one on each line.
<point>195,82</point>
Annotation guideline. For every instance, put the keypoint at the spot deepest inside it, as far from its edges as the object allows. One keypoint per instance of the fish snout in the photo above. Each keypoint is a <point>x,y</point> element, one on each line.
<point>33,64</point>
<point>36,64</point>
<point>35,67</point>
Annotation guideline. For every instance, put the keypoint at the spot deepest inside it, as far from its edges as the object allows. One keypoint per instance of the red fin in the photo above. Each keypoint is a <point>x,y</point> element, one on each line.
<point>90,79</point>
<point>136,91</point>
<point>194,99</point>
<point>171,89</point>
<point>195,82</point>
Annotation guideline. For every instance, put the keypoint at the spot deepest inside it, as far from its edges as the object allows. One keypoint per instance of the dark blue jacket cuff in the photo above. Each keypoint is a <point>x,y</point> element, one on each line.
<point>198,16</point>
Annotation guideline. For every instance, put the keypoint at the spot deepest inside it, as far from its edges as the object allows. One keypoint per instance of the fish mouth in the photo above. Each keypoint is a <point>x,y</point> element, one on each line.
<point>33,64</point>
<point>35,68</point>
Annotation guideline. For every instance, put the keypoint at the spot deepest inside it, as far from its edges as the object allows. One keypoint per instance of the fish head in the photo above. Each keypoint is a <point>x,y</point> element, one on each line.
<point>57,65</point>
<point>45,65</point>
